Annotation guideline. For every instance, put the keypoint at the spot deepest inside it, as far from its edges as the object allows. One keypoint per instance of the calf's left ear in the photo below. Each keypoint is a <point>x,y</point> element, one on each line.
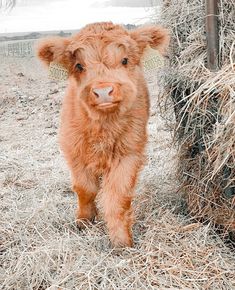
<point>155,36</point>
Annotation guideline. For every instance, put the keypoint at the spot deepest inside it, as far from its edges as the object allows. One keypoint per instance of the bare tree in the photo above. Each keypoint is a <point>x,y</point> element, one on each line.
<point>7,4</point>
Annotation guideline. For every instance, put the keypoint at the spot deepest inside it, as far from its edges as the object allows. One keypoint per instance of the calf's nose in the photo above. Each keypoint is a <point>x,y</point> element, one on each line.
<point>103,94</point>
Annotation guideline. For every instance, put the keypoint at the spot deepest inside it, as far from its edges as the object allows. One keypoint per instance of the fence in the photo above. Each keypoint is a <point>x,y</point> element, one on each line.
<point>24,48</point>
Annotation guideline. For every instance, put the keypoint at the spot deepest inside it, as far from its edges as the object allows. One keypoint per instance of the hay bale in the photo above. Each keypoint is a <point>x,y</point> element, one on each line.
<point>204,104</point>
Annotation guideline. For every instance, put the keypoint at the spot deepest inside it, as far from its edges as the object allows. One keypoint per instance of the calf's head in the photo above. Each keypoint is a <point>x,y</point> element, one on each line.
<point>103,62</point>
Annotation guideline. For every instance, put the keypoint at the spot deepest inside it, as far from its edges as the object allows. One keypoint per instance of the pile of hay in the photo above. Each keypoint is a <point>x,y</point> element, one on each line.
<point>204,104</point>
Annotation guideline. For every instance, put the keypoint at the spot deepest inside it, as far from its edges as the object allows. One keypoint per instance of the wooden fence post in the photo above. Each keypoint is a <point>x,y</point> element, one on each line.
<point>212,35</point>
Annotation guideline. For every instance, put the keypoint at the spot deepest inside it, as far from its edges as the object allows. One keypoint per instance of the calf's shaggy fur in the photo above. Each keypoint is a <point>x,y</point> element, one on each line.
<point>104,117</point>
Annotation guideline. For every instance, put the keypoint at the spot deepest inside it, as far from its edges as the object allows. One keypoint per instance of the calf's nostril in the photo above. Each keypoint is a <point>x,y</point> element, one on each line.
<point>97,95</point>
<point>110,92</point>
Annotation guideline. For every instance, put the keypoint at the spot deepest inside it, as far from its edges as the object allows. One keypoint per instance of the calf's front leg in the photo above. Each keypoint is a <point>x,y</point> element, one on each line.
<point>85,185</point>
<point>115,199</point>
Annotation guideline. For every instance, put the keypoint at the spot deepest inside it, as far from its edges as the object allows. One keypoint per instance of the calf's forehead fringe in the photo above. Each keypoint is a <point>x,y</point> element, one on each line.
<point>100,27</point>
<point>95,36</point>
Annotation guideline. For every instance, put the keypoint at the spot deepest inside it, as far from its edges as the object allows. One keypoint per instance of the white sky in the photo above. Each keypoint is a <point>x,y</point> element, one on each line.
<point>65,14</point>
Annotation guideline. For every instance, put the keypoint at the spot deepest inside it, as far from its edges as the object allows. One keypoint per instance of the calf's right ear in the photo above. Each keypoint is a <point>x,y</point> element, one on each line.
<point>54,49</point>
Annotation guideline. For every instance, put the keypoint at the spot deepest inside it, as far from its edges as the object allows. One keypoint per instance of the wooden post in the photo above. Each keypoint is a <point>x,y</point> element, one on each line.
<point>212,35</point>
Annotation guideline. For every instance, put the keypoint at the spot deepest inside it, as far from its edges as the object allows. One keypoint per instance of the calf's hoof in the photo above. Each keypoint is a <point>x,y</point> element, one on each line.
<point>85,216</point>
<point>121,240</point>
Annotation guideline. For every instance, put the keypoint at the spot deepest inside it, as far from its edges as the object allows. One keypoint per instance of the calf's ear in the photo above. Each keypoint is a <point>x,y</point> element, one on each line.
<point>155,36</point>
<point>54,49</point>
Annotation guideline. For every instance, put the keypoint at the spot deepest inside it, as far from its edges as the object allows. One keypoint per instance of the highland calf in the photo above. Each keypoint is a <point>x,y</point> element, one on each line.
<point>104,117</point>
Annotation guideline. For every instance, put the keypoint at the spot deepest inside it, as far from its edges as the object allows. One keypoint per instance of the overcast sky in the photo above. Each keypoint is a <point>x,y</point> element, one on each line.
<point>43,15</point>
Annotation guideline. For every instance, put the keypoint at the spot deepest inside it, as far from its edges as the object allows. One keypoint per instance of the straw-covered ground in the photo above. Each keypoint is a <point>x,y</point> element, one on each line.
<point>40,246</point>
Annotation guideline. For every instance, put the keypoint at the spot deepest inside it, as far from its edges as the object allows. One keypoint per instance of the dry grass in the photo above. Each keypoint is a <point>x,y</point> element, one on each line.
<point>204,107</point>
<point>40,245</point>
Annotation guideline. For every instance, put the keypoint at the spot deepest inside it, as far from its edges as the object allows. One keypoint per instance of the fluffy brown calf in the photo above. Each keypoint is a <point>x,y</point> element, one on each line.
<point>104,117</point>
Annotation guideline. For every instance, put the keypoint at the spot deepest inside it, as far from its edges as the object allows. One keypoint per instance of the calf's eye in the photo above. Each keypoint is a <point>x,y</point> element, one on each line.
<point>125,61</point>
<point>79,67</point>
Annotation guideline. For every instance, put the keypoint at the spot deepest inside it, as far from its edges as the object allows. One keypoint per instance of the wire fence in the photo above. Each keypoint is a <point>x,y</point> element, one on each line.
<point>23,48</point>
